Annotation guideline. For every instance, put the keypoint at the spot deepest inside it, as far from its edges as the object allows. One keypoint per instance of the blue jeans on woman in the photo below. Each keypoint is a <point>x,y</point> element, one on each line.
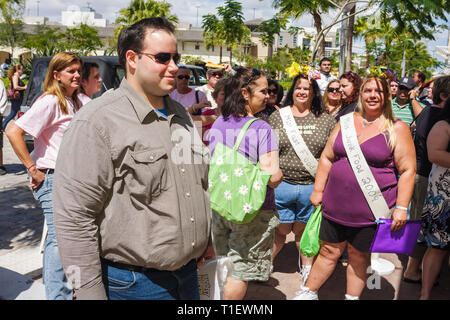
<point>15,107</point>
<point>56,285</point>
<point>153,284</point>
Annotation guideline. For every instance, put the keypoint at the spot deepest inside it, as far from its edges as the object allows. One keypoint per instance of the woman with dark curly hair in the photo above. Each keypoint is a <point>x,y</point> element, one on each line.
<point>350,85</point>
<point>305,115</point>
<point>248,245</point>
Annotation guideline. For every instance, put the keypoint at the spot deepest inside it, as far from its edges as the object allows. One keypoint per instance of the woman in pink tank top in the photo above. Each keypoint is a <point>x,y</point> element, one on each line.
<point>347,220</point>
<point>46,122</point>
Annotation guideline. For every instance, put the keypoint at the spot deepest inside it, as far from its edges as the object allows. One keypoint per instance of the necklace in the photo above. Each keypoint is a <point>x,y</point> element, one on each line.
<point>366,123</point>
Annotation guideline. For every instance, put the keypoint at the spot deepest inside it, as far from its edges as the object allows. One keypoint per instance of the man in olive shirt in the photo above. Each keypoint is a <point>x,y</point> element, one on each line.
<point>131,205</point>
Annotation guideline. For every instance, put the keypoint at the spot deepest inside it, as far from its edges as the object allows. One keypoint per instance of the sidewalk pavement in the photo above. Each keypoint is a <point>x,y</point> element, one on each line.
<point>21,224</point>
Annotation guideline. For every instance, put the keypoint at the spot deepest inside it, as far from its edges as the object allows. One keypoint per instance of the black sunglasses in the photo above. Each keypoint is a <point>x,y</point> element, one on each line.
<point>333,89</point>
<point>217,74</point>
<point>255,73</point>
<point>270,91</point>
<point>183,77</point>
<point>163,57</point>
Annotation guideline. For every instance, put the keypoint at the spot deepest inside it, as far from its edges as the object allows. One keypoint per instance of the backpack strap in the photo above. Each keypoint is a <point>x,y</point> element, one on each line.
<point>242,133</point>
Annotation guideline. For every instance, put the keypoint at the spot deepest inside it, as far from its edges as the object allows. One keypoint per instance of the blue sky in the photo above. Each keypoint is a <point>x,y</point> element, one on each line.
<point>187,11</point>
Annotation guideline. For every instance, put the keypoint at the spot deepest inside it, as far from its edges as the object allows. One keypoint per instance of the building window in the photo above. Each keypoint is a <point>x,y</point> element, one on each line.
<point>197,47</point>
<point>306,43</point>
<point>327,53</point>
<point>328,44</point>
<point>280,40</point>
<point>294,41</point>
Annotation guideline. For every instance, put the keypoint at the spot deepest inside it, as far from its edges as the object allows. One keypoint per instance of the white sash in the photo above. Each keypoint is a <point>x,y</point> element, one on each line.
<point>361,169</point>
<point>296,139</point>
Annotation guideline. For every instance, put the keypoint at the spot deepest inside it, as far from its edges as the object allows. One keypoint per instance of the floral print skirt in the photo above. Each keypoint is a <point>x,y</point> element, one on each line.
<point>435,231</point>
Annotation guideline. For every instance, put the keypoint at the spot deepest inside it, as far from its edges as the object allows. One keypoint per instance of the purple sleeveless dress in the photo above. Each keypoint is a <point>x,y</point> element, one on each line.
<point>343,201</point>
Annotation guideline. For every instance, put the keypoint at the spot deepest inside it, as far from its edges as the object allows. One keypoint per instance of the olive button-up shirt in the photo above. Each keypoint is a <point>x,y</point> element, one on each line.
<point>131,187</point>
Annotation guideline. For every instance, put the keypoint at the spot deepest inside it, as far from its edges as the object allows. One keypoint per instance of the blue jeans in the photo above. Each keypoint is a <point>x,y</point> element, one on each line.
<point>292,201</point>
<point>181,284</point>
<point>15,107</point>
<point>56,285</point>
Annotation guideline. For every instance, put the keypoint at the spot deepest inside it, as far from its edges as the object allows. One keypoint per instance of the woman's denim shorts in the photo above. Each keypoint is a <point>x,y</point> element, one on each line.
<point>293,203</point>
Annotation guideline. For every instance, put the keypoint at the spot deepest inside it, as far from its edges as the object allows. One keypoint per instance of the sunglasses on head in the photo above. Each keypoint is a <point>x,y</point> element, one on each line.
<point>163,57</point>
<point>270,91</point>
<point>333,89</point>
<point>183,77</point>
<point>255,73</point>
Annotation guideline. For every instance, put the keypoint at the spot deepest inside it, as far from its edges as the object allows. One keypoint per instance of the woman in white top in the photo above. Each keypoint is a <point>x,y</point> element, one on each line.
<point>46,121</point>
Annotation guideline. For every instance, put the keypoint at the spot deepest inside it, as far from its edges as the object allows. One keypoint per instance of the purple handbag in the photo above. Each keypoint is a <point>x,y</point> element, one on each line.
<point>401,242</point>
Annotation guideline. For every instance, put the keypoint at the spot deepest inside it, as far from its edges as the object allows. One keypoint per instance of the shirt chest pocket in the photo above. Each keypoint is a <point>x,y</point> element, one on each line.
<point>150,171</point>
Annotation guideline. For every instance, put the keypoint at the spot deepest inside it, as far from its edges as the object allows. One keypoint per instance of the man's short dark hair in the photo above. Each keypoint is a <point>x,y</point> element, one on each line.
<point>441,85</point>
<point>132,37</point>
<point>86,69</point>
<point>324,59</point>
<point>420,75</point>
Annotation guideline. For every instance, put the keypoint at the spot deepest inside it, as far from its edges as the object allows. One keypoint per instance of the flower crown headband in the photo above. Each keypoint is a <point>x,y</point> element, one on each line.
<point>376,71</point>
<point>295,69</point>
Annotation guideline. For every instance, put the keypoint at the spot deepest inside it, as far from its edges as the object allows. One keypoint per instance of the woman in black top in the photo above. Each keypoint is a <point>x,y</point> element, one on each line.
<point>350,85</point>
<point>17,84</point>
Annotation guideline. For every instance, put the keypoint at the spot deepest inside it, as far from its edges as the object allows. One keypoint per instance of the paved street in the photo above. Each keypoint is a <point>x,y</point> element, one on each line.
<point>21,224</point>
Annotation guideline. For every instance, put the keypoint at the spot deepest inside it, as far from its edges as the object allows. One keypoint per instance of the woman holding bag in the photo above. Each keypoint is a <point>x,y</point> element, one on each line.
<point>18,86</point>
<point>348,221</point>
<point>300,149</point>
<point>248,245</point>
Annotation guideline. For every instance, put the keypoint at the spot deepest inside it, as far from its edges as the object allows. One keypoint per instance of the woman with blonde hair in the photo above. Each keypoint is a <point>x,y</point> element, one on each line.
<point>332,97</point>
<point>17,85</point>
<point>46,122</point>
<point>348,221</point>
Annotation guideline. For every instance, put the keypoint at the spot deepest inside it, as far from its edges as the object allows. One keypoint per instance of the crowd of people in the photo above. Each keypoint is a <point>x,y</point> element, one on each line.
<point>123,178</point>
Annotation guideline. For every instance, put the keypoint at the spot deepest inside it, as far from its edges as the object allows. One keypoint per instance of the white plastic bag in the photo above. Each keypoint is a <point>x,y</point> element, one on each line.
<point>212,277</point>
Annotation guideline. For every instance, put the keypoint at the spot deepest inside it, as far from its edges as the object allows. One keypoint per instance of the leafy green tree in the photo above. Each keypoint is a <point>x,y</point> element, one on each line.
<point>45,41</point>
<point>296,8</point>
<point>234,30</point>
<point>83,40</point>
<point>227,28</point>
<point>270,28</point>
<point>11,27</point>
<point>214,33</point>
<point>140,9</point>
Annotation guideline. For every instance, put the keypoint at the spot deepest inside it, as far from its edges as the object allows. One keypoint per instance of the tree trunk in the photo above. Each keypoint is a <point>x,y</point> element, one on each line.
<point>220,54</point>
<point>270,51</point>
<point>231,55</point>
<point>351,23</point>
<point>318,25</point>
<point>367,53</point>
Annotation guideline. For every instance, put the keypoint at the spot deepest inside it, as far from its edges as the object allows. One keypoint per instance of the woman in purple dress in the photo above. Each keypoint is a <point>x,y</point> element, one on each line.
<point>347,219</point>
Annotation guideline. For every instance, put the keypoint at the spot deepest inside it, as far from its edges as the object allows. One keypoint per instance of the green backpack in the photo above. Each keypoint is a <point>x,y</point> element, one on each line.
<point>237,187</point>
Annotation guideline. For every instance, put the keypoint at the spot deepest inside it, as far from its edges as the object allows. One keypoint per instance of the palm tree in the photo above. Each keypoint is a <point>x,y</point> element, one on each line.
<point>213,30</point>
<point>140,9</point>
<point>367,28</point>
<point>296,8</point>
<point>269,29</point>
<point>229,30</point>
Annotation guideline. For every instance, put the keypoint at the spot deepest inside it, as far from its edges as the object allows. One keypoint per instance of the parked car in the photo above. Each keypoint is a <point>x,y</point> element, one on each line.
<point>198,75</point>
